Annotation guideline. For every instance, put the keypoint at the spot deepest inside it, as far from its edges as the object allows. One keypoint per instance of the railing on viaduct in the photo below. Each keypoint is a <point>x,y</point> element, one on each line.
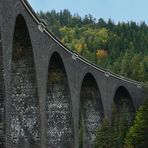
<point>48,92</point>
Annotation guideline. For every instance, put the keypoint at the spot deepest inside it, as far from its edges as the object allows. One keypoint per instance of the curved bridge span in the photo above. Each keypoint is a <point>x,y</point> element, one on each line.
<point>48,91</point>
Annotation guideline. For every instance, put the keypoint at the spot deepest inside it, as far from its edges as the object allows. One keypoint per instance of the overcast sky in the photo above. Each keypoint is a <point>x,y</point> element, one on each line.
<point>117,10</point>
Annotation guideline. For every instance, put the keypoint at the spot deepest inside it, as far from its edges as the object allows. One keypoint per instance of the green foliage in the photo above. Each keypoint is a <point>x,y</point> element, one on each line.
<point>123,125</point>
<point>105,136</point>
<point>125,43</point>
<point>113,131</point>
<point>137,136</point>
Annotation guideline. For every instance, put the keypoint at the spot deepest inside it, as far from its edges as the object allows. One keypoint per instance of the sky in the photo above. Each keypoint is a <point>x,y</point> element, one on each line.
<point>117,10</point>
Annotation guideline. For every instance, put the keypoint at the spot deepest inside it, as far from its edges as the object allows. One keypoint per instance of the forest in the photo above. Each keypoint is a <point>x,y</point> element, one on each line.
<point>121,48</point>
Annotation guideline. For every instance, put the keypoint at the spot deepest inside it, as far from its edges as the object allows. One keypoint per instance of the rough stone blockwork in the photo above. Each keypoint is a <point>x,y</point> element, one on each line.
<point>91,111</point>
<point>58,107</point>
<point>24,114</point>
<point>2,135</point>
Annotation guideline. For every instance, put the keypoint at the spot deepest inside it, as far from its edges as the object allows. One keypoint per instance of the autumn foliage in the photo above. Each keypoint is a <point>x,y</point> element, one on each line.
<point>101,53</point>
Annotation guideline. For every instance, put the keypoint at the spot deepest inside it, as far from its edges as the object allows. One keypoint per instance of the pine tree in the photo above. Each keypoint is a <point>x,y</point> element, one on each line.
<point>105,135</point>
<point>137,136</point>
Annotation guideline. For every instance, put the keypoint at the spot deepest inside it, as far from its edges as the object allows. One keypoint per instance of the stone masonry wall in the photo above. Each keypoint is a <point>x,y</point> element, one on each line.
<point>24,111</point>
<point>58,107</point>
<point>92,111</point>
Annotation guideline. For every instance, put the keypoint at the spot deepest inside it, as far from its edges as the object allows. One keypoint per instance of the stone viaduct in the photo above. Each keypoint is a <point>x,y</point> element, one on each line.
<point>47,90</point>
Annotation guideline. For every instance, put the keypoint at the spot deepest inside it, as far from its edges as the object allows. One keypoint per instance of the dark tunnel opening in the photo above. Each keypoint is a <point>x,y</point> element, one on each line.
<point>60,130</point>
<point>91,111</point>
<point>24,107</point>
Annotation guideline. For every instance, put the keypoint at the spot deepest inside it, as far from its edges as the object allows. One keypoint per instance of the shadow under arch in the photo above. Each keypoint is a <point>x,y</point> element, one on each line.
<point>123,101</point>
<point>91,111</point>
<point>2,101</point>
<point>24,106</point>
<point>60,130</point>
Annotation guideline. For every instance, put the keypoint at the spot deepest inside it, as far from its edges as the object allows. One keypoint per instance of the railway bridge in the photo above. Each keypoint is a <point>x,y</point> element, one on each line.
<point>46,89</point>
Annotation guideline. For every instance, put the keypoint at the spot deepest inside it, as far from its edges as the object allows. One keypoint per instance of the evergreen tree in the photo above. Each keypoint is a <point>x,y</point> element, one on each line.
<point>137,136</point>
<point>105,135</point>
<point>113,131</point>
<point>124,123</point>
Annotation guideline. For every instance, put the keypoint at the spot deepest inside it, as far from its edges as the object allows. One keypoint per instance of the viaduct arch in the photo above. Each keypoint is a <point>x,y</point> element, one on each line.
<point>24,108</point>
<point>58,106</point>
<point>51,73</point>
<point>123,101</point>
<point>91,110</point>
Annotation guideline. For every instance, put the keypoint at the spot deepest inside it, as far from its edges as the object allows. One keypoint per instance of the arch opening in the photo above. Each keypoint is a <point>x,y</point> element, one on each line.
<point>2,104</point>
<point>91,111</point>
<point>124,104</point>
<point>24,107</point>
<point>60,130</point>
